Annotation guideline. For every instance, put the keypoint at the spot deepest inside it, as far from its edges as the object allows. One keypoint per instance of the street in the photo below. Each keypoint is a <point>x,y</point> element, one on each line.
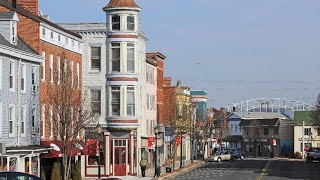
<point>255,169</point>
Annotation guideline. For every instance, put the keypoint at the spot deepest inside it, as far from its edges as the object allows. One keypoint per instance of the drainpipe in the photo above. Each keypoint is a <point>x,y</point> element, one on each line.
<point>18,96</point>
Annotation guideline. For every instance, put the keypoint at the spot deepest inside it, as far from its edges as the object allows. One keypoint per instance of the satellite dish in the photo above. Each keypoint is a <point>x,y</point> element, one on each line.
<point>54,147</point>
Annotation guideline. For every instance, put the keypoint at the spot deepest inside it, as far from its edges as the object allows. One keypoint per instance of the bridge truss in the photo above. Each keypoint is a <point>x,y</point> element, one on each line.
<point>268,105</point>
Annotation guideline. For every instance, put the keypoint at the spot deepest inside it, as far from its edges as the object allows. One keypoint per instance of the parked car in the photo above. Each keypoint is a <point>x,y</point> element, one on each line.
<point>238,153</point>
<point>313,154</point>
<point>10,175</point>
<point>223,156</point>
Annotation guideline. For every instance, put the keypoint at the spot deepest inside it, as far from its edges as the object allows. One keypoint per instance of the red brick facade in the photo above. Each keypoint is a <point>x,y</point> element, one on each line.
<point>28,30</point>
<point>159,59</point>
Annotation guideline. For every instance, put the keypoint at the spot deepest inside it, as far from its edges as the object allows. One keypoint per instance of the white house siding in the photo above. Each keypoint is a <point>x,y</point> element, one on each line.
<point>29,99</point>
<point>298,134</point>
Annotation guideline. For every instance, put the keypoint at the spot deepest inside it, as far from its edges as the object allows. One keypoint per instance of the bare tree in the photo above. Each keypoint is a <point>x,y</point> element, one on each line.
<point>71,112</point>
<point>315,115</point>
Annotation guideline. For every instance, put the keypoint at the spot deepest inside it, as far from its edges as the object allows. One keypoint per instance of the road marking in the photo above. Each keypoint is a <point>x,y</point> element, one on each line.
<point>263,171</point>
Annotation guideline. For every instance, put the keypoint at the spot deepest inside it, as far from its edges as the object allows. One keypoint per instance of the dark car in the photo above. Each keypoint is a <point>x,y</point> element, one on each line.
<point>9,175</point>
<point>238,153</point>
<point>313,154</point>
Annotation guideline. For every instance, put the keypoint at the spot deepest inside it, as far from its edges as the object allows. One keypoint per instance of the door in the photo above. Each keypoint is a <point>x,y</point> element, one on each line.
<point>120,161</point>
<point>259,150</point>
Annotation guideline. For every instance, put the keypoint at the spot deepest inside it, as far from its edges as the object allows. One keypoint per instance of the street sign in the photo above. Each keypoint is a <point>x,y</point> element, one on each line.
<point>274,142</point>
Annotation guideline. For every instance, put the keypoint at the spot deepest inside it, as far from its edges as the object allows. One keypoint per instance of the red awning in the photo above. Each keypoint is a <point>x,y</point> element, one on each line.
<point>52,153</point>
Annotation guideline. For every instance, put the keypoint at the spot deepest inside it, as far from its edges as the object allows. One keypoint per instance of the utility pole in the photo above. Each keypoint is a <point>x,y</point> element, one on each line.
<point>302,139</point>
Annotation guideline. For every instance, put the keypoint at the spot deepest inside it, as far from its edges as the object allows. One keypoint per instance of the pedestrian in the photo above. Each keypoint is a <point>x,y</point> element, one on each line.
<point>143,165</point>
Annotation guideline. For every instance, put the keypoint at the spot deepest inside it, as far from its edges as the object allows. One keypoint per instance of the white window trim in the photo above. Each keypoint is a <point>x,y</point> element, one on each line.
<point>1,75</point>
<point>24,107</point>
<point>58,69</point>
<point>51,121</point>
<point>72,123</point>
<point>23,70</point>
<point>58,123</point>
<point>78,75</point>
<point>13,76</point>
<point>72,72</point>
<point>51,68</point>
<point>1,118</point>
<point>13,121</point>
<point>43,64</point>
<point>110,100</point>
<point>134,57</point>
<point>111,60</point>
<point>43,117</point>
<point>78,134</point>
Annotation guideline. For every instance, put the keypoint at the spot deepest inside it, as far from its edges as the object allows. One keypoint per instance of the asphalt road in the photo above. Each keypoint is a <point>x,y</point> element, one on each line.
<point>254,169</point>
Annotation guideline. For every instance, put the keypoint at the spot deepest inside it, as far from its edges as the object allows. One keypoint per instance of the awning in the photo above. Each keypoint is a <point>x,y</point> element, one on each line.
<point>234,138</point>
<point>55,153</point>
<point>25,150</point>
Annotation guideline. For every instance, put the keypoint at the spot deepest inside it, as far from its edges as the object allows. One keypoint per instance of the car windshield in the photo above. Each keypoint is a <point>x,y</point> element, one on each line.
<point>314,150</point>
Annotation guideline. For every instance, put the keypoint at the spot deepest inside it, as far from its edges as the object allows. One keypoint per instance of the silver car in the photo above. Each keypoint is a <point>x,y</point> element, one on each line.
<point>223,156</point>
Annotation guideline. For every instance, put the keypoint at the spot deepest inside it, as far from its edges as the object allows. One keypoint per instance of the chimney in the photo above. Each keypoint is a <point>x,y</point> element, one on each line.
<point>167,81</point>
<point>30,5</point>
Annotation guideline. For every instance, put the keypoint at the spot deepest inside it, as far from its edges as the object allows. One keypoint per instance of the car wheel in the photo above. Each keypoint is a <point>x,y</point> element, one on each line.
<point>219,160</point>
<point>234,158</point>
<point>241,157</point>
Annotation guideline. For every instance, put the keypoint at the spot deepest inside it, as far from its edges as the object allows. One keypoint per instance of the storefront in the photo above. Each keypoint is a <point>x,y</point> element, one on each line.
<point>23,159</point>
<point>261,147</point>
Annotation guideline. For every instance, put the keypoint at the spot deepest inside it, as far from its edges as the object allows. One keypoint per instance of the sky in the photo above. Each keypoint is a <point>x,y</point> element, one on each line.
<point>233,49</point>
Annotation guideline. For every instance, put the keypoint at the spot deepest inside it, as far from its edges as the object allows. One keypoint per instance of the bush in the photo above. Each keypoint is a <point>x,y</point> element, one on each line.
<point>76,172</point>
<point>43,176</point>
<point>297,155</point>
<point>55,175</point>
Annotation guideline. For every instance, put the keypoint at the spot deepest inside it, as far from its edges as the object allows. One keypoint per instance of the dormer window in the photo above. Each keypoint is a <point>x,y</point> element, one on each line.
<point>115,22</point>
<point>14,32</point>
<point>130,23</point>
<point>43,32</point>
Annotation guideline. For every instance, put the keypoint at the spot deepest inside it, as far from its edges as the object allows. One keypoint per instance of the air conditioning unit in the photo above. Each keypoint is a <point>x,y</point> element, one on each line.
<point>35,88</point>
<point>34,130</point>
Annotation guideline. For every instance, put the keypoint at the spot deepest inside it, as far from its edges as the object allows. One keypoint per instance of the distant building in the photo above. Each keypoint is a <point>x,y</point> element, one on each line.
<point>310,133</point>
<point>200,98</point>
<point>19,99</point>
<point>265,133</point>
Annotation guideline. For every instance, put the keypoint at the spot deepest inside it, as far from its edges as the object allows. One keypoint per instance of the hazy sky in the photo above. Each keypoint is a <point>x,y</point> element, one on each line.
<point>233,49</point>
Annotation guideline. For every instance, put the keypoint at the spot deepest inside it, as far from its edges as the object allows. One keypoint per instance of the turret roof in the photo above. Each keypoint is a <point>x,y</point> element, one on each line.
<point>121,4</point>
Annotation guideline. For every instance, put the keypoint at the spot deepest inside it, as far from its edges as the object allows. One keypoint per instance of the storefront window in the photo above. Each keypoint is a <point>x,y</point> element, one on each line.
<point>94,159</point>
<point>26,165</point>
<point>3,167</point>
<point>13,164</point>
<point>34,166</point>
<point>250,148</point>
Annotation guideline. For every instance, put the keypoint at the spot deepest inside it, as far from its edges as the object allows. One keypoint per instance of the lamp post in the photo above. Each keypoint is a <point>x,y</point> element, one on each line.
<point>99,130</point>
<point>155,152</point>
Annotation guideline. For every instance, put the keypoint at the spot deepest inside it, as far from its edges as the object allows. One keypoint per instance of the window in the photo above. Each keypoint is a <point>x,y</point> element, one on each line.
<point>148,101</point>
<point>72,71</point>
<point>96,58</point>
<point>265,131</point>
<point>43,31</point>
<point>130,101</point>
<point>78,75</point>
<point>96,102</point>
<point>247,131</point>
<point>115,102</point>
<point>115,22</point>
<point>11,118</point>
<point>71,119</point>
<point>33,76</point>
<point>130,57</point>
<point>51,121</point>
<point>23,78</point>
<point>130,23</point>
<point>67,40</point>
<point>23,115</point>
<point>305,144</point>
<point>1,72</point>
<point>58,70</point>
<point>11,75</point>
<point>33,118</point>
<point>58,123</point>
<point>235,128</point>
<point>59,37</point>
<point>115,57</point>
<point>51,35</point>
<point>307,131</point>
<point>43,66</point>
<point>72,43</point>
<point>51,68</point>
<point>14,32</point>
<point>93,159</point>
<point>275,131</point>
<point>43,118</point>
<point>1,116</point>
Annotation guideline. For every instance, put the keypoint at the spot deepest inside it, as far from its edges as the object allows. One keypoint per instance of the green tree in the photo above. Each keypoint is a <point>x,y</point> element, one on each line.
<point>315,114</point>
<point>55,175</point>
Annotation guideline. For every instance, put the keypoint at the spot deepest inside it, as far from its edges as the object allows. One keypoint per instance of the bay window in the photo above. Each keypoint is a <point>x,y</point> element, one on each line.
<point>130,23</point>
<point>130,101</point>
<point>115,22</point>
<point>115,57</point>
<point>96,102</point>
<point>130,57</point>
<point>115,101</point>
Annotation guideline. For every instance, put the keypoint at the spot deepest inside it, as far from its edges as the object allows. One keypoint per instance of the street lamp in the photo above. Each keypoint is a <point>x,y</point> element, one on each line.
<point>99,130</point>
<point>156,174</point>
<point>272,155</point>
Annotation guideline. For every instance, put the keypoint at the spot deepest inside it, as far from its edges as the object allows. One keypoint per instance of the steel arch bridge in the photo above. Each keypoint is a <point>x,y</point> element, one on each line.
<point>268,105</point>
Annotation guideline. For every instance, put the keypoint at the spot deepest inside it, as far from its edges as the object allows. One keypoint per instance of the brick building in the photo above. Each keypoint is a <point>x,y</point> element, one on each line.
<point>58,46</point>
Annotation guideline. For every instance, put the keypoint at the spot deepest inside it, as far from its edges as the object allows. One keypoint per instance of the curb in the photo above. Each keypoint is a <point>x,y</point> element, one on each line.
<point>188,168</point>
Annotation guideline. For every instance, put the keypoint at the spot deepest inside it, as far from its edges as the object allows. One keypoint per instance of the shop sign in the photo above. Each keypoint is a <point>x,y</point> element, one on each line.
<point>306,139</point>
<point>151,142</point>
<point>262,140</point>
<point>274,142</point>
